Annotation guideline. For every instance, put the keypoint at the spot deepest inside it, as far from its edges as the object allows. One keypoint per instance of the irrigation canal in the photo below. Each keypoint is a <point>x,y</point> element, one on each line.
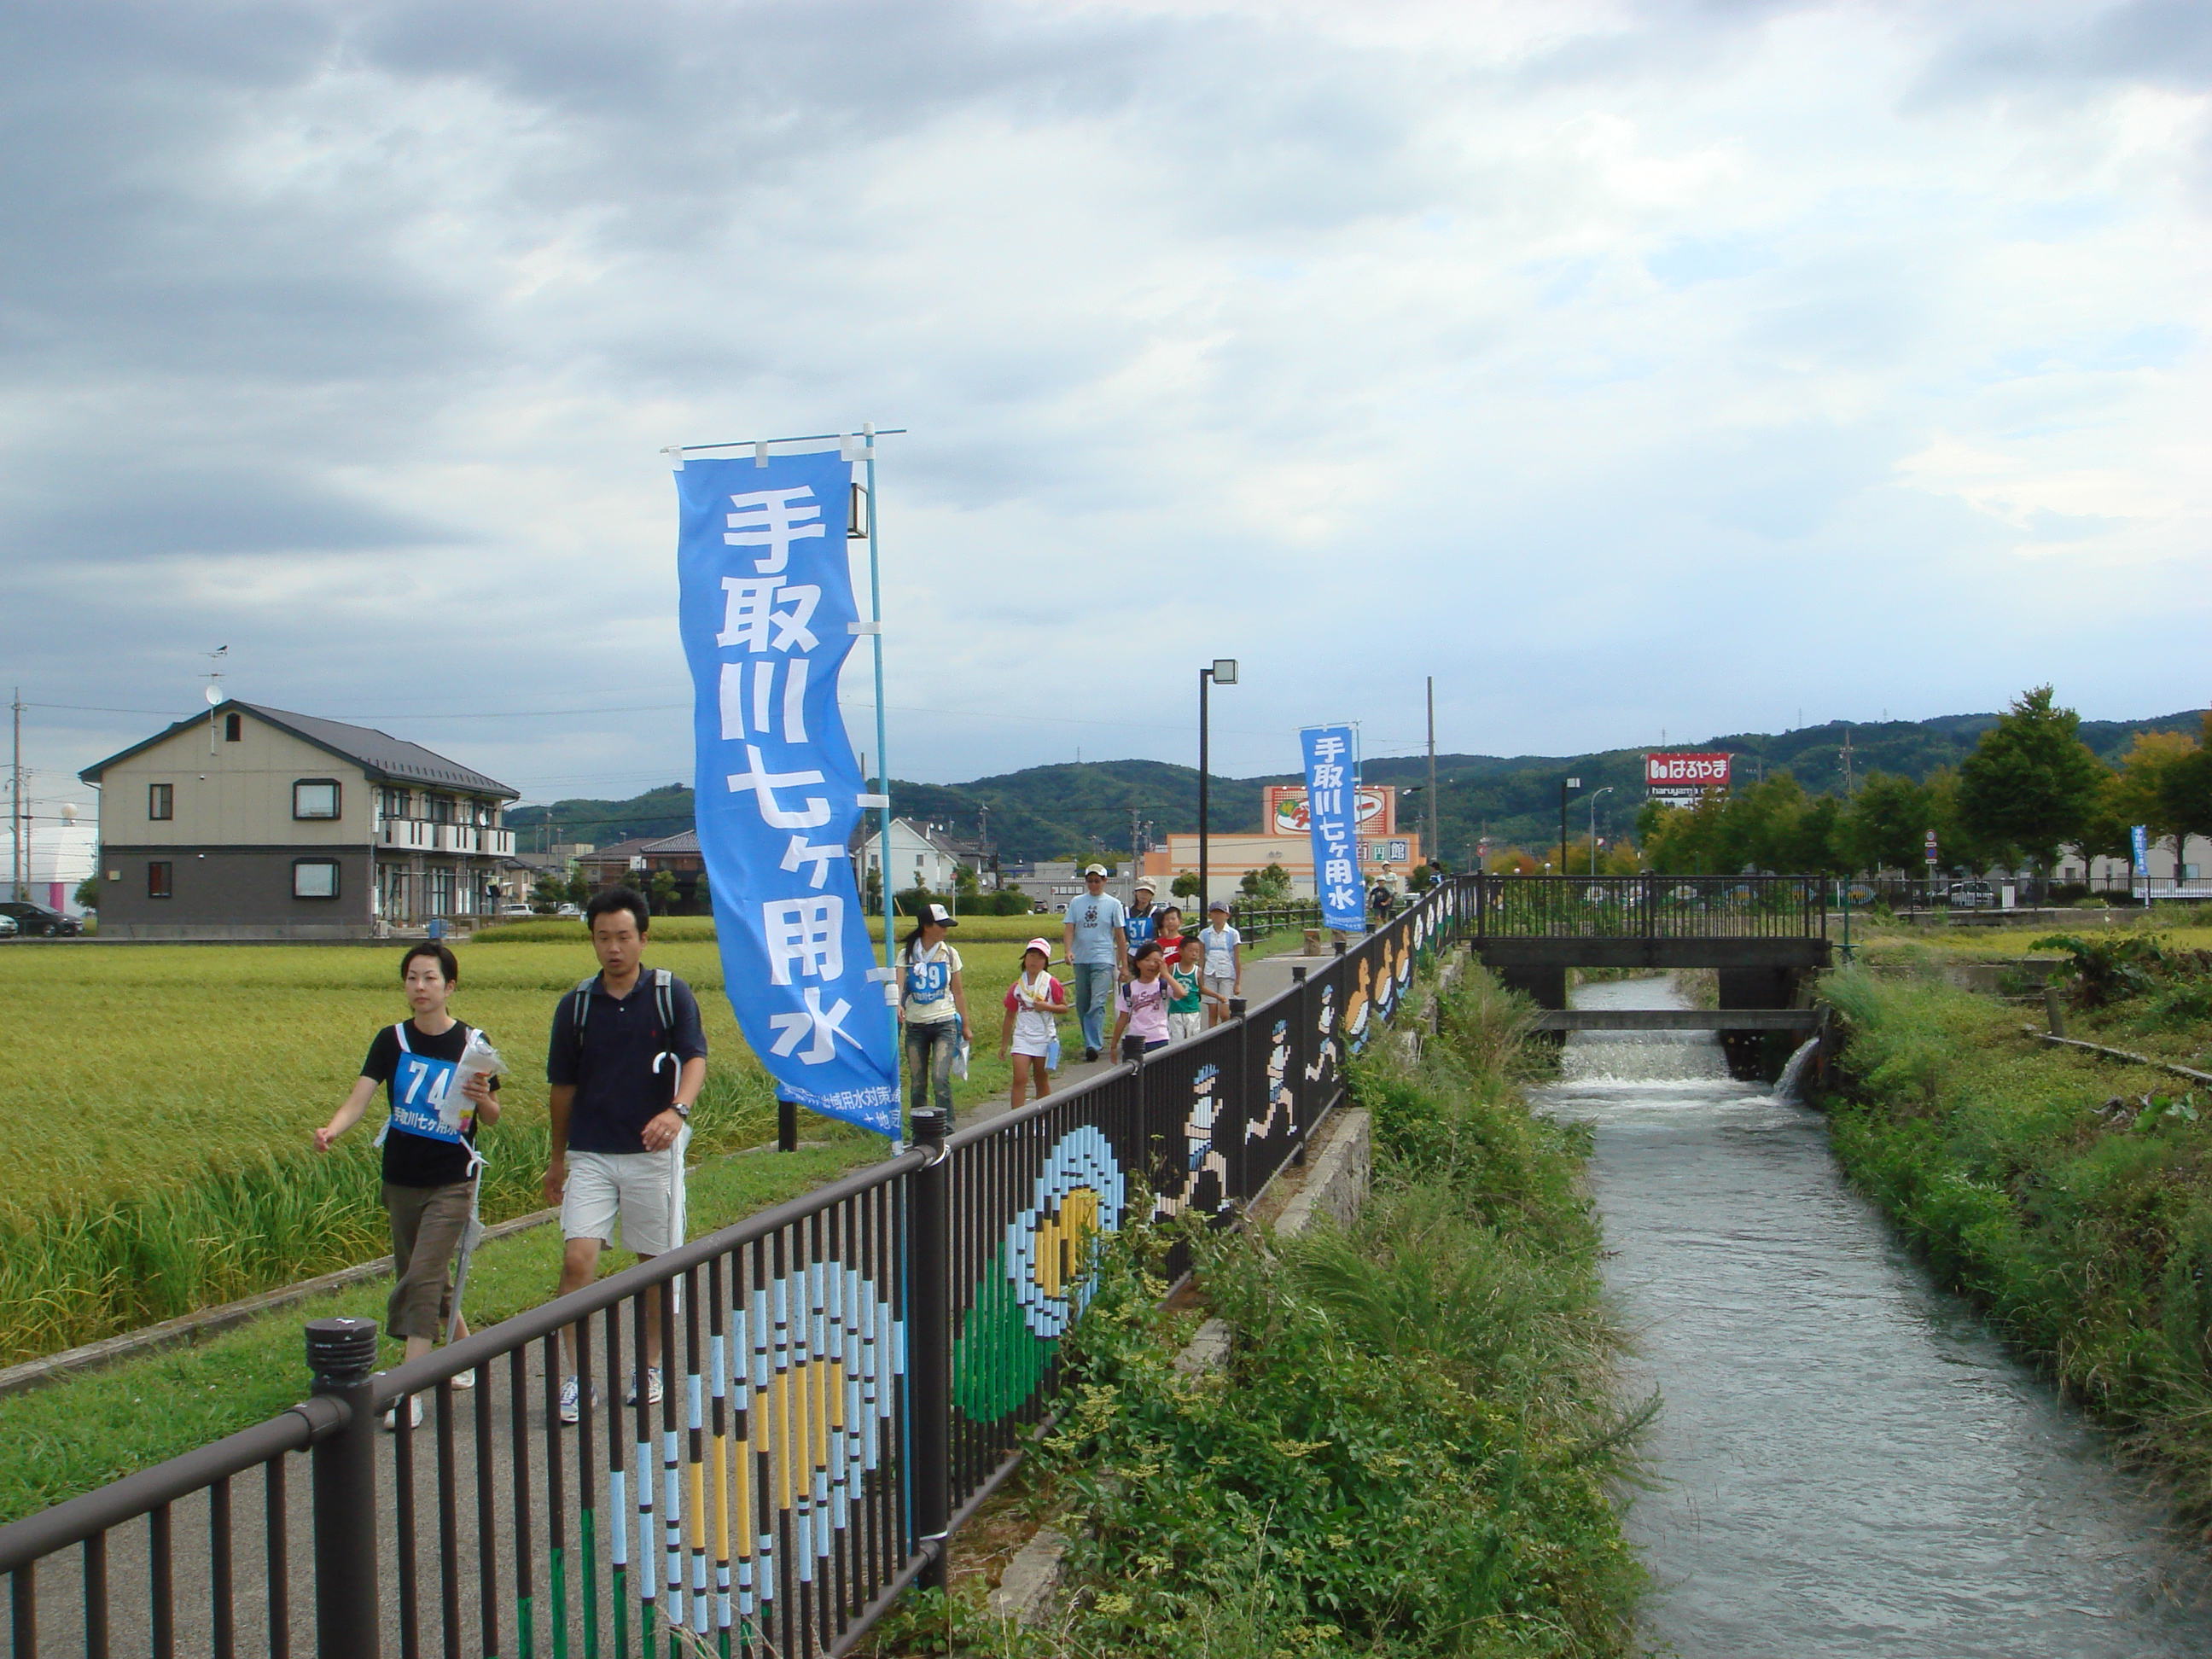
<point>1848,1463</point>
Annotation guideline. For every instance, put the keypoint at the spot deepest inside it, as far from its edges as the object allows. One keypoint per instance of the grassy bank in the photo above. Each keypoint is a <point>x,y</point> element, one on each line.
<point>1414,1447</point>
<point>85,1430</point>
<point>154,1124</point>
<point>2071,1196</point>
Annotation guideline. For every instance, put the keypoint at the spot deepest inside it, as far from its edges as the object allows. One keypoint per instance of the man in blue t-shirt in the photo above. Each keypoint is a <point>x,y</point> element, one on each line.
<point>1097,944</point>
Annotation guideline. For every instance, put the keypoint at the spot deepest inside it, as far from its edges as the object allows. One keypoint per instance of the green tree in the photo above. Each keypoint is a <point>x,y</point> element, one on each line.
<point>549,891</point>
<point>2031,785</point>
<point>87,893</point>
<point>1887,823</point>
<point>2185,789</point>
<point>1270,885</point>
<point>1185,885</point>
<point>661,891</point>
<point>581,888</point>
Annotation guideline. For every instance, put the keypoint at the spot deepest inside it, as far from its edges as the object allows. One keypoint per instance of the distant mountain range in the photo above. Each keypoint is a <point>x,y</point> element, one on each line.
<point>1054,811</point>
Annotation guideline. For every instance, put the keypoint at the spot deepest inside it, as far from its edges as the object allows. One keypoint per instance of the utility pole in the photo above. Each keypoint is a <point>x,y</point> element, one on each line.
<point>983,845</point>
<point>1566,784</point>
<point>18,818</point>
<point>1847,762</point>
<point>1435,846</point>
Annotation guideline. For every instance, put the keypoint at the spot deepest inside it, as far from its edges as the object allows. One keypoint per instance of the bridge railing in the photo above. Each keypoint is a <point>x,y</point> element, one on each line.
<point>1648,907</point>
<point>847,1376</point>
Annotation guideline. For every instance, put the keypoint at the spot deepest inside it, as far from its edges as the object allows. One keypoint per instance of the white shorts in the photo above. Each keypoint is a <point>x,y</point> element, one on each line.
<point>1181,1027</point>
<point>634,1188</point>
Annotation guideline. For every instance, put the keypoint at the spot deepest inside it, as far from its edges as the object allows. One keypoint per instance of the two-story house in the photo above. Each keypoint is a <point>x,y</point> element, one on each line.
<point>249,823</point>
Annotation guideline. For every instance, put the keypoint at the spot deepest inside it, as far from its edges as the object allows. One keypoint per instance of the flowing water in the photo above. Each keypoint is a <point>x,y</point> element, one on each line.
<point>1848,1463</point>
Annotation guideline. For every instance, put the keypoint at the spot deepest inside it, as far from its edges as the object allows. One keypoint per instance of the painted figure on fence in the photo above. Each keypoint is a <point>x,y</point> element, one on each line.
<point>1201,1158</point>
<point>1357,1008</point>
<point>1282,1099</point>
<point>1325,1049</point>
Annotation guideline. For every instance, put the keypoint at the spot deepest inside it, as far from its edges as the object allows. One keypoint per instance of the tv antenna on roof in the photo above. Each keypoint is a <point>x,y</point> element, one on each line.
<point>213,691</point>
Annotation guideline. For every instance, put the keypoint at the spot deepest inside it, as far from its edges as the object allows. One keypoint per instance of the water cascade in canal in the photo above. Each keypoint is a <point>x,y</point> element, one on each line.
<point>1848,1462</point>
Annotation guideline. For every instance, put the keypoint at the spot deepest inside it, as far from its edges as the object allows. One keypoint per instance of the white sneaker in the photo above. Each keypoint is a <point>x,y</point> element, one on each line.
<point>571,1408</point>
<point>464,1380</point>
<point>414,1414</point>
<point>652,1386</point>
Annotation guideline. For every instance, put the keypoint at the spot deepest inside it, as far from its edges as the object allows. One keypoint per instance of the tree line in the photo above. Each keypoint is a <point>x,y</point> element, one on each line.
<point>2029,788</point>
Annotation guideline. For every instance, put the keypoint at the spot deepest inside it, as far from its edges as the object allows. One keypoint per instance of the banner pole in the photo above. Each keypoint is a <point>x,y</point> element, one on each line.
<point>883,773</point>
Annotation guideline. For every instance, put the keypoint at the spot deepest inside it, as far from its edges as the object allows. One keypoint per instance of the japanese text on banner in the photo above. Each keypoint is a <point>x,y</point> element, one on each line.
<point>1332,757</point>
<point>766,612</point>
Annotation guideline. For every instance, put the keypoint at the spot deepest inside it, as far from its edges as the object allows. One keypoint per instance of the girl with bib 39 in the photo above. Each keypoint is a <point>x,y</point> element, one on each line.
<point>429,1147</point>
<point>932,1007</point>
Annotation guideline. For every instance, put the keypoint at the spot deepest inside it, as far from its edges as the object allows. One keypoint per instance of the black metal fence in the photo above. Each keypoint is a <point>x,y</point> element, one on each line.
<point>1650,907</point>
<point>846,1376</point>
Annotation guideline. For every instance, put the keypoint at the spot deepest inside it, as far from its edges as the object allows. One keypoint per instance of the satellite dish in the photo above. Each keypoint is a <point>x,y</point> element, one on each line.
<point>214,695</point>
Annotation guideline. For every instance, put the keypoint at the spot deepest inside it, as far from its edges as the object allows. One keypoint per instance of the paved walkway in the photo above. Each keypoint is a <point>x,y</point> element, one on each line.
<point>1264,977</point>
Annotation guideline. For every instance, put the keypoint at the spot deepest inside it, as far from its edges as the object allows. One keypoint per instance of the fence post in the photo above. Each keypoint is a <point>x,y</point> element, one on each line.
<point>1240,1094</point>
<point>929,1356</point>
<point>786,1125</point>
<point>342,1355</point>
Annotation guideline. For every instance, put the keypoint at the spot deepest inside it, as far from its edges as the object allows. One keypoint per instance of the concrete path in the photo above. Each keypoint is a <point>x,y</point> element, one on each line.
<point>1264,977</point>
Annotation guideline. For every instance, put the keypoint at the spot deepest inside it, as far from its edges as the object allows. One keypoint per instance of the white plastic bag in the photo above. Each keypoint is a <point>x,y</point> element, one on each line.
<point>478,1059</point>
<point>960,1059</point>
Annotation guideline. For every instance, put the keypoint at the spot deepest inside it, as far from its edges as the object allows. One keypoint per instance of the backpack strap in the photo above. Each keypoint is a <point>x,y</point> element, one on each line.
<point>400,1032</point>
<point>663,1000</point>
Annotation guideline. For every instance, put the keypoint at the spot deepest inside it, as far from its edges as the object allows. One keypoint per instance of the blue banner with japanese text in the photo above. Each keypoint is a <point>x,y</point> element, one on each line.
<point>766,612</point>
<point>1332,755</point>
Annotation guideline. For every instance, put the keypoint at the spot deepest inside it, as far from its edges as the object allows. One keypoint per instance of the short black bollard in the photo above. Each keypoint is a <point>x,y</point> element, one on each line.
<point>786,1125</point>
<point>929,1344</point>
<point>342,1355</point>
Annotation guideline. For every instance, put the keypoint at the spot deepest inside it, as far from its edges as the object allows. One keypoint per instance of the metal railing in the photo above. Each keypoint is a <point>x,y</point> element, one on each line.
<point>1650,907</point>
<point>848,1376</point>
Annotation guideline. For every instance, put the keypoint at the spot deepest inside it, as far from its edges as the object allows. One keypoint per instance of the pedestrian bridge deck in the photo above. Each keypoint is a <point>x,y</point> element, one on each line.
<point>1679,1019</point>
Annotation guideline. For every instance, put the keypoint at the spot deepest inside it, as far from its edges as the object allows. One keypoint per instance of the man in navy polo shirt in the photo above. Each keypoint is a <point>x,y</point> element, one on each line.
<point>627,1060</point>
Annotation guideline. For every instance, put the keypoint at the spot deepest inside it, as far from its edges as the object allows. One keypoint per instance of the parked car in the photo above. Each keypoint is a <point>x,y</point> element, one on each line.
<point>570,910</point>
<point>515,909</point>
<point>1971,896</point>
<point>7,926</point>
<point>35,919</point>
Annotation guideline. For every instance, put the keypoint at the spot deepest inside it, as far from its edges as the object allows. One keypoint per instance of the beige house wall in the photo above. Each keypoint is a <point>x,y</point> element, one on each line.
<point>240,796</point>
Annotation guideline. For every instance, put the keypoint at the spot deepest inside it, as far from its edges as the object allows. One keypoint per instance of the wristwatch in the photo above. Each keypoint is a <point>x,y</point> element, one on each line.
<point>680,1110</point>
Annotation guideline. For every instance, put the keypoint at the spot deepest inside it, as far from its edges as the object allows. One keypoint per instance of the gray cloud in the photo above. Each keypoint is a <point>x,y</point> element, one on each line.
<point>1589,364</point>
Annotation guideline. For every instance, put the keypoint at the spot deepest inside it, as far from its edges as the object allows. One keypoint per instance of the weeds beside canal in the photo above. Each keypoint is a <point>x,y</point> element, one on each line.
<point>1415,1446</point>
<point>2071,1196</point>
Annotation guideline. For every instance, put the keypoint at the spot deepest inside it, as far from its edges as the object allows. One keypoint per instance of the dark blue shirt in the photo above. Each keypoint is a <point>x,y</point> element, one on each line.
<point>618,1091</point>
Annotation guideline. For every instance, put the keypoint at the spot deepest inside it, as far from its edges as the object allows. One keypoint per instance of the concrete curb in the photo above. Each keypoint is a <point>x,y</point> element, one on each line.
<point>188,1328</point>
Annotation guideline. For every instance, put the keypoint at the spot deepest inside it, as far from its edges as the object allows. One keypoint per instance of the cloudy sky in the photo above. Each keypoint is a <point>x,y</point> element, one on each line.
<point>1630,368</point>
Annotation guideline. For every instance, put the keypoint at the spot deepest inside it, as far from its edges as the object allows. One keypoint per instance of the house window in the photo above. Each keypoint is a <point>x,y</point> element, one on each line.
<point>233,728</point>
<point>315,879</point>
<point>157,878</point>
<point>161,801</point>
<point>441,891</point>
<point>315,798</point>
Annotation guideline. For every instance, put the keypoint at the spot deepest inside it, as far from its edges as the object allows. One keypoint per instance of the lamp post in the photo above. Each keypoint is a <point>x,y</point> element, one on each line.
<point>1605,791</point>
<point>1565,785</point>
<point>1223,672</point>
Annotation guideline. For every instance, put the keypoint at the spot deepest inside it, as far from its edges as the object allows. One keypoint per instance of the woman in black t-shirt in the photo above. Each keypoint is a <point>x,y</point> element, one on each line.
<point>428,1164</point>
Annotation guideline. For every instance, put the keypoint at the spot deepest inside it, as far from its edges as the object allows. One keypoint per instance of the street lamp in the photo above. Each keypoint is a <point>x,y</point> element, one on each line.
<point>1565,785</point>
<point>1605,791</point>
<point>1223,672</point>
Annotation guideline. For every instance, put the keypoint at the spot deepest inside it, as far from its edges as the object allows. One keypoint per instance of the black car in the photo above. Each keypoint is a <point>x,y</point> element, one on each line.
<point>31,919</point>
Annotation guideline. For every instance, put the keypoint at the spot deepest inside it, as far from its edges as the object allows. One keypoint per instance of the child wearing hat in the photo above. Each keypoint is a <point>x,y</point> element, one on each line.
<point>1142,924</point>
<point>1026,1036</point>
<point>933,1007</point>
<point>1225,961</point>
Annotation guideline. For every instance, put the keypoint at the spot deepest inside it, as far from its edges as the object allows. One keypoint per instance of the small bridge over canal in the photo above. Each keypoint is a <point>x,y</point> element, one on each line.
<point>1764,937</point>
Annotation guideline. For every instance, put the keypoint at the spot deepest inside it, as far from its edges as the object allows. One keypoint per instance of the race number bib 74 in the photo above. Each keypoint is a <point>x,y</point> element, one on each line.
<point>419,1087</point>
